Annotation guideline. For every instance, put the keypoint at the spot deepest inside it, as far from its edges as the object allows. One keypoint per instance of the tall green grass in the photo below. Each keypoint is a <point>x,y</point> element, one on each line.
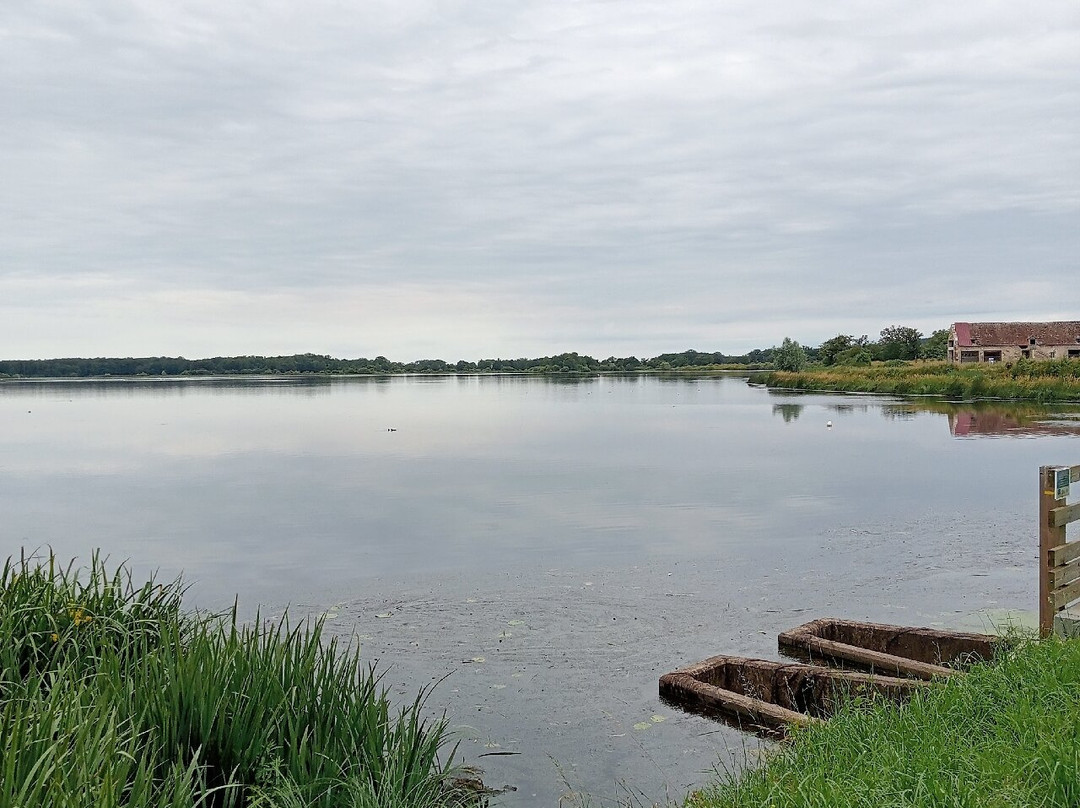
<point>1005,736</point>
<point>111,695</point>
<point>1050,381</point>
<point>52,619</point>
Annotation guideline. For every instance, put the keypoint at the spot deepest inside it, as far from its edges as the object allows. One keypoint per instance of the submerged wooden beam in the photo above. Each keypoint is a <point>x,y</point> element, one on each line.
<point>769,696</point>
<point>909,650</point>
<point>685,690</point>
<point>886,663</point>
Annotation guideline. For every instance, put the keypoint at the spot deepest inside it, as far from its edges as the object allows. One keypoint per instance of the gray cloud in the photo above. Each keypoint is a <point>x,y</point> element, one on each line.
<point>641,175</point>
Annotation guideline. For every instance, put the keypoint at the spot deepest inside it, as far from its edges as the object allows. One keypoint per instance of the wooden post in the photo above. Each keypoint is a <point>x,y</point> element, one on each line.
<point>1049,537</point>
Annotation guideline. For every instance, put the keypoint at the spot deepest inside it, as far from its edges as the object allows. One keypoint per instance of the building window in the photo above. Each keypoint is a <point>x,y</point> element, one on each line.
<point>992,356</point>
<point>1031,341</point>
<point>1074,353</point>
<point>1025,354</point>
<point>969,356</point>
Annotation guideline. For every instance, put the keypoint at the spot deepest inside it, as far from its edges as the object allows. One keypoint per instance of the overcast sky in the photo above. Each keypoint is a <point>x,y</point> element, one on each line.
<point>519,177</point>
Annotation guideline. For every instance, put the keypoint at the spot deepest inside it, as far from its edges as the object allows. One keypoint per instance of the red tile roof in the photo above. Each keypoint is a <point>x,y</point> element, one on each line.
<point>963,333</point>
<point>1018,334</point>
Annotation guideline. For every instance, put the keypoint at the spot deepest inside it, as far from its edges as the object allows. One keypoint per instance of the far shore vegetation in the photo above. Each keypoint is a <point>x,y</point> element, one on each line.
<point>1026,380</point>
<point>897,342</point>
<point>112,695</point>
<point>326,365</point>
<point>901,362</point>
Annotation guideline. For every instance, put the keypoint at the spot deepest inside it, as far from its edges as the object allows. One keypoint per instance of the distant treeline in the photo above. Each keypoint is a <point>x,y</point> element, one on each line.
<point>317,363</point>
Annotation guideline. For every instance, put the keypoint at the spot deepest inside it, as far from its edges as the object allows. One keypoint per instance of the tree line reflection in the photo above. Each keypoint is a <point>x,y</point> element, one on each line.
<point>965,420</point>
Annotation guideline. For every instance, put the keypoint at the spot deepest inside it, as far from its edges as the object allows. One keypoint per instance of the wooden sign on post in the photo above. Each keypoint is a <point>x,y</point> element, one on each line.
<point>1059,559</point>
<point>1061,482</point>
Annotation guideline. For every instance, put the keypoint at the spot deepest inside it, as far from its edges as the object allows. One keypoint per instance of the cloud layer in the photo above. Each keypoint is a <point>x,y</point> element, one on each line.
<point>455,179</point>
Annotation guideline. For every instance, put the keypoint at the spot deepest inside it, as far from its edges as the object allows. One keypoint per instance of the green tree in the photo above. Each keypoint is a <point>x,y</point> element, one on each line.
<point>831,347</point>
<point>789,356</point>
<point>899,342</point>
<point>855,355</point>
<point>936,346</point>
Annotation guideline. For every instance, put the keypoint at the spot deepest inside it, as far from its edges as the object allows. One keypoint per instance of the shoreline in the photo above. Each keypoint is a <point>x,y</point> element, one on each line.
<point>577,374</point>
<point>968,736</point>
<point>1051,382</point>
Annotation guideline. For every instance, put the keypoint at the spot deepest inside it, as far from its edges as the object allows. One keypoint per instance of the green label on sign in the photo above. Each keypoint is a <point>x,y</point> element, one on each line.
<point>1061,483</point>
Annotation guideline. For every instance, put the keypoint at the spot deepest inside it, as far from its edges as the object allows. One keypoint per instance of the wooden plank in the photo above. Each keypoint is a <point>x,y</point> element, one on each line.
<point>1064,553</point>
<point>685,689</point>
<point>1074,474</point>
<point>1063,576</point>
<point>1063,597</point>
<point>884,663</point>
<point>1050,537</point>
<point>1062,516</point>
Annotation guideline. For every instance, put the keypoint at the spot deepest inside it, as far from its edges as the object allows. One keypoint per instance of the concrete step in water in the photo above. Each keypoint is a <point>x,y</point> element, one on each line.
<point>766,696</point>
<point>923,653</point>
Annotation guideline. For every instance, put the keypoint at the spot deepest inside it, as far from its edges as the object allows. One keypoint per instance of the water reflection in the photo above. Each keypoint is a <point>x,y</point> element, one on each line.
<point>789,412</point>
<point>994,420</point>
<point>849,408</point>
<point>974,424</point>
<point>965,420</point>
<point>154,387</point>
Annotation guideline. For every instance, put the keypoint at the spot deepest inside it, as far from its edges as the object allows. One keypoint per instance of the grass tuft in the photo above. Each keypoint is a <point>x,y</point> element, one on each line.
<point>1007,734</point>
<point>111,695</point>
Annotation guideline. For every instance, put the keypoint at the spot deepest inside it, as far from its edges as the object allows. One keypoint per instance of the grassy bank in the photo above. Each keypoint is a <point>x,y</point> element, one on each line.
<point>1025,380</point>
<point>112,695</point>
<point>1005,735</point>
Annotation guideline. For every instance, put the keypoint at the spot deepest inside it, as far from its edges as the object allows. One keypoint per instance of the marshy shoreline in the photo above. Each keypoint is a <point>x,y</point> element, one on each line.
<point>1055,381</point>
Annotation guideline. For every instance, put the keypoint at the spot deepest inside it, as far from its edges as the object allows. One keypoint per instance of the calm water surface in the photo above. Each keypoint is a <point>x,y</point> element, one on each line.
<point>547,546</point>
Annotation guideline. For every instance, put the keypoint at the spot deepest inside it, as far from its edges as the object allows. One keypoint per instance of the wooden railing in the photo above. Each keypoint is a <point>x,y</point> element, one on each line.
<point>1059,559</point>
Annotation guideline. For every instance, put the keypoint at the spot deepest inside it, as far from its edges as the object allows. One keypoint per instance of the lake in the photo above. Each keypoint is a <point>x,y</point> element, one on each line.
<point>542,549</point>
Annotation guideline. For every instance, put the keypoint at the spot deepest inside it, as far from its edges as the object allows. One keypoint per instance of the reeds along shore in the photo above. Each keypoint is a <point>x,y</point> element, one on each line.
<point>1053,381</point>
<point>1004,736</point>
<point>112,695</point>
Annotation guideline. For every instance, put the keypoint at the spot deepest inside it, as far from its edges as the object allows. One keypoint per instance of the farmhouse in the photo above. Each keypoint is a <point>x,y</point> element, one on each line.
<point>1007,342</point>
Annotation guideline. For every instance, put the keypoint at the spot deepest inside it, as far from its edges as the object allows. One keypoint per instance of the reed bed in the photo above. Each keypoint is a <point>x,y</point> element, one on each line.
<point>1050,381</point>
<point>1006,735</point>
<point>112,695</point>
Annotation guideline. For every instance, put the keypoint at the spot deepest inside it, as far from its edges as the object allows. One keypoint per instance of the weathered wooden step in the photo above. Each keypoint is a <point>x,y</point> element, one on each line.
<point>924,653</point>
<point>759,694</point>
